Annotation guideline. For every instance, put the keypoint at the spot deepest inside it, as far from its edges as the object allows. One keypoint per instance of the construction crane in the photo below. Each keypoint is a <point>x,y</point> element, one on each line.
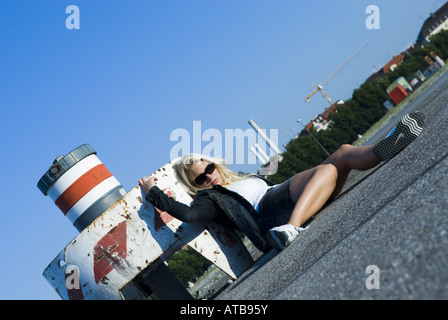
<point>319,87</point>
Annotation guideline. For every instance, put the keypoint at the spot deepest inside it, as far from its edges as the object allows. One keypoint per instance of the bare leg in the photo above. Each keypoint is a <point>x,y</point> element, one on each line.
<point>310,190</point>
<point>348,158</point>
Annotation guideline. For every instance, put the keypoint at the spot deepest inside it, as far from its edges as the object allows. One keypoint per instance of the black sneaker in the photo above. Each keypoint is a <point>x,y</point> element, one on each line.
<point>407,130</point>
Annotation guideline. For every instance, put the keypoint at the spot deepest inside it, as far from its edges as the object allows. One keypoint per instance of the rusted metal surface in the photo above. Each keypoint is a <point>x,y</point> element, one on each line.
<point>131,235</point>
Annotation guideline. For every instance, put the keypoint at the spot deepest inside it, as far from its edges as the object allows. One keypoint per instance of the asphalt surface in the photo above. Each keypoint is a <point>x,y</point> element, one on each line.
<point>394,217</point>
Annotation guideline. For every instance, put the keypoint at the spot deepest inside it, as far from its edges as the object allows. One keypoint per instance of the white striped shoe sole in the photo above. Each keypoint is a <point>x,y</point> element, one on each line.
<point>407,130</point>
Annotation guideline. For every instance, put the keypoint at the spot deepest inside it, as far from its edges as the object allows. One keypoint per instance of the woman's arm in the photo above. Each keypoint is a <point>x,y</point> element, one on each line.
<point>201,209</point>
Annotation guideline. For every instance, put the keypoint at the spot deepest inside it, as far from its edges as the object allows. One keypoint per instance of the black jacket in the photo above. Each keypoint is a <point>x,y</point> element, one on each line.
<point>218,204</point>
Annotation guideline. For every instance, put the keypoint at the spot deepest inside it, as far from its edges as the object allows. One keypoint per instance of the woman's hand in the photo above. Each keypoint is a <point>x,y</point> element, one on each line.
<point>146,183</point>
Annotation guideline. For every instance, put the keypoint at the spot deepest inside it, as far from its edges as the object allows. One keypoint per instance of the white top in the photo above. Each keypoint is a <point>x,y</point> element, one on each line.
<point>252,189</point>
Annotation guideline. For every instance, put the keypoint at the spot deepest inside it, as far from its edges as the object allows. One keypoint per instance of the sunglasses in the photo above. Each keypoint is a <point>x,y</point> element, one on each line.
<point>209,169</point>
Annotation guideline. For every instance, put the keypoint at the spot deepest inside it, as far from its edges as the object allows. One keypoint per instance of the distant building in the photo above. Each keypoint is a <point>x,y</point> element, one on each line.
<point>436,22</point>
<point>391,65</point>
<point>321,121</point>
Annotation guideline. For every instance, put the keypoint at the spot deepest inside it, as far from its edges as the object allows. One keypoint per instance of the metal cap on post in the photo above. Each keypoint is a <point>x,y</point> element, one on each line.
<point>81,186</point>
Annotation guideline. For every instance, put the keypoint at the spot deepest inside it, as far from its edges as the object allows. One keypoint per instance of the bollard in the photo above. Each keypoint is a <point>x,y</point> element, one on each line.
<point>81,186</point>
<point>124,241</point>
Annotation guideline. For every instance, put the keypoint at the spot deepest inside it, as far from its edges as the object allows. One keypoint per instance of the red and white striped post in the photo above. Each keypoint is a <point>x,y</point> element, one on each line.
<point>81,186</point>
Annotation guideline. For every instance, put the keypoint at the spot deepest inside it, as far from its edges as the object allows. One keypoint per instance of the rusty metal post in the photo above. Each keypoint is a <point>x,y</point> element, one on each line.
<point>124,240</point>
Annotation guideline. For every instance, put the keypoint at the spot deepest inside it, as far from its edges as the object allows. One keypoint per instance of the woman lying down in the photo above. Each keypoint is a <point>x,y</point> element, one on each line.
<point>268,214</point>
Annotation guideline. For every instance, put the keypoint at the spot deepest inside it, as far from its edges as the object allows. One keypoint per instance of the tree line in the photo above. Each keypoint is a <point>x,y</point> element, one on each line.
<point>356,116</point>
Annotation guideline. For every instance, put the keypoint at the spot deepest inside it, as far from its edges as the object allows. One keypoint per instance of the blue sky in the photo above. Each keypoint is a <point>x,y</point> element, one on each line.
<point>136,71</point>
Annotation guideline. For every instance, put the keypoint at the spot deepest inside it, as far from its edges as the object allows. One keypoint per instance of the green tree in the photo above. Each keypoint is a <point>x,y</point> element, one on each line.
<point>439,44</point>
<point>187,264</point>
<point>302,154</point>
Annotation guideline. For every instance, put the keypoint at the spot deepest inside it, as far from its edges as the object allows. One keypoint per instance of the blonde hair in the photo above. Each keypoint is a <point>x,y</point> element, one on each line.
<point>183,167</point>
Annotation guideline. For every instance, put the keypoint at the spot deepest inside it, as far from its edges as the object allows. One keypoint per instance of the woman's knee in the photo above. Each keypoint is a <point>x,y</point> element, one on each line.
<point>344,148</point>
<point>338,158</point>
<point>328,170</point>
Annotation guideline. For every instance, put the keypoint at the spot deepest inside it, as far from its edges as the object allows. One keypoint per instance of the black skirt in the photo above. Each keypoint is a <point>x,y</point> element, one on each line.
<point>275,207</point>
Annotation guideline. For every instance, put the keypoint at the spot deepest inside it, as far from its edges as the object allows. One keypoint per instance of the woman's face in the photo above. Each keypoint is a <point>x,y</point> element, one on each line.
<point>211,179</point>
